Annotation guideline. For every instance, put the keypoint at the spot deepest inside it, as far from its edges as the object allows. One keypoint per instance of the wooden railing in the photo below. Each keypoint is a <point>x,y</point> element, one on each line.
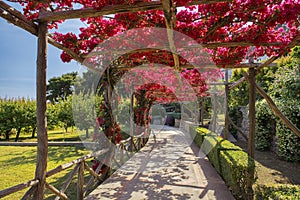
<point>125,150</point>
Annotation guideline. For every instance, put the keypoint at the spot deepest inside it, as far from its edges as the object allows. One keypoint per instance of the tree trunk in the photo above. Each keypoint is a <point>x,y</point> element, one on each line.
<point>18,134</point>
<point>86,133</point>
<point>7,134</point>
<point>33,132</point>
<point>66,128</point>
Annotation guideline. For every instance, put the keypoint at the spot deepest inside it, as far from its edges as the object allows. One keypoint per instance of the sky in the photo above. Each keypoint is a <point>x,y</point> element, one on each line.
<point>18,50</point>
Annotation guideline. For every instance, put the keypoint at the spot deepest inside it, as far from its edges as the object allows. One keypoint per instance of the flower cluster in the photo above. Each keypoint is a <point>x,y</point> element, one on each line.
<point>111,131</point>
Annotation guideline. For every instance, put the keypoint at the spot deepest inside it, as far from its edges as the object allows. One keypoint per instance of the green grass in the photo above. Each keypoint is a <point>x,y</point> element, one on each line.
<point>53,136</point>
<point>17,165</point>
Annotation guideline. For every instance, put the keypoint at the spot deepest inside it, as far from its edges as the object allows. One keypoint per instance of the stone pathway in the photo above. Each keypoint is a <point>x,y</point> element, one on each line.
<point>166,168</point>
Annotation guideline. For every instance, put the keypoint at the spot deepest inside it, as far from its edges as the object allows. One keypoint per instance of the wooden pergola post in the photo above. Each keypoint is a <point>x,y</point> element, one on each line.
<point>226,128</point>
<point>252,98</point>
<point>251,138</point>
<point>42,136</point>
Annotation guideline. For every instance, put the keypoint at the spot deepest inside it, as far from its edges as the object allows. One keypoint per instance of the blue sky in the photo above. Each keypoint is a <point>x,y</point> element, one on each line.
<point>18,58</point>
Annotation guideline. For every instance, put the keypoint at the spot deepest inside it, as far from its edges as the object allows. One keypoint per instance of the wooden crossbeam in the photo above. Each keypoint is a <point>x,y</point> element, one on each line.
<point>115,9</point>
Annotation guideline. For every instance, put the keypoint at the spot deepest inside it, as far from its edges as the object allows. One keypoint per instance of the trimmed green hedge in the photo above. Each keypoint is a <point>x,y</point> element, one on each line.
<point>277,192</point>
<point>231,162</point>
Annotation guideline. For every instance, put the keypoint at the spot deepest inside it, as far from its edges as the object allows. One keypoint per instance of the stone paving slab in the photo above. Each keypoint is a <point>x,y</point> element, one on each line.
<point>166,168</point>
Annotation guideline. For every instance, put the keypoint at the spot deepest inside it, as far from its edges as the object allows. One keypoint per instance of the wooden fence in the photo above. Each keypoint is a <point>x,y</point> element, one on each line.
<point>124,151</point>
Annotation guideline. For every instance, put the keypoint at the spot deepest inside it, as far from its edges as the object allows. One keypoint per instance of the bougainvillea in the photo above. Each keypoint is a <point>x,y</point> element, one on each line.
<point>268,25</point>
<point>255,21</point>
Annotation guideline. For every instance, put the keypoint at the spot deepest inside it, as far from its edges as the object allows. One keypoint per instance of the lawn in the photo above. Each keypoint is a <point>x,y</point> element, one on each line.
<point>53,136</point>
<point>17,165</point>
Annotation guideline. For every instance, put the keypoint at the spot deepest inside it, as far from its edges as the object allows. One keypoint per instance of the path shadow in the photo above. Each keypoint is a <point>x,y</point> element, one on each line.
<point>167,170</point>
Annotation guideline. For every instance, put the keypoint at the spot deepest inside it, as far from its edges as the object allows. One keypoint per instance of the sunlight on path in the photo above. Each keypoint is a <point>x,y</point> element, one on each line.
<point>166,168</point>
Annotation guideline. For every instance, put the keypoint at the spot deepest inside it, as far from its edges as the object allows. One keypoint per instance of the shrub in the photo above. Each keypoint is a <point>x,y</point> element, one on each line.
<point>231,162</point>
<point>288,142</point>
<point>265,125</point>
<point>277,192</point>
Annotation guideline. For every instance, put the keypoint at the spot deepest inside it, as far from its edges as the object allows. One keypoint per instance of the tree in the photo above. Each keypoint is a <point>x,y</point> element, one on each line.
<point>287,78</point>
<point>26,116</point>
<point>60,87</point>
<point>65,114</point>
<point>84,111</point>
<point>52,115</point>
<point>7,117</point>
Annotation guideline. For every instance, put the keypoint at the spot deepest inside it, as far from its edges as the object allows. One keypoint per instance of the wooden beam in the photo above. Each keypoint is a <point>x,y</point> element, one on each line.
<point>251,137</point>
<point>71,53</point>
<point>41,102</point>
<point>170,21</point>
<point>12,10</point>
<point>18,19</point>
<point>29,193</point>
<point>80,181</point>
<point>31,28</point>
<point>17,188</point>
<point>68,181</point>
<point>226,127</point>
<point>115,9</point>
<point>56,191</point>
<point>76,161</point>
<point>293,43</point>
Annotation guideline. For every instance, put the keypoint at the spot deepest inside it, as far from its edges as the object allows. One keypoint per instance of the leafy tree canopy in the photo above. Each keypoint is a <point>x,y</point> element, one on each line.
<point>60,87</point>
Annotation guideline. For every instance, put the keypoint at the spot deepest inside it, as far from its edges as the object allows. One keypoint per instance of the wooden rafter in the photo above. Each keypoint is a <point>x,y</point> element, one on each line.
<point>115,9</point>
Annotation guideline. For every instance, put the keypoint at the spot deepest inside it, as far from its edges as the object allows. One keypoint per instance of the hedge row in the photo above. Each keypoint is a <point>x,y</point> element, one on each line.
<point>231,162</point>
<point>277,192</point>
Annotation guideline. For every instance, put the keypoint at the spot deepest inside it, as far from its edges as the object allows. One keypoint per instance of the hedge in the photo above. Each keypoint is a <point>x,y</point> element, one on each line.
<point>269,125</point>
<point>277,192</point>
<point>288,142</point>
<point>265,125</point>
<point>230,161</point>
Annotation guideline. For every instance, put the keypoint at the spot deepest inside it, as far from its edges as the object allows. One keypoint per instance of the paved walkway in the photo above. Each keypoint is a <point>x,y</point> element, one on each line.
<point>166,168</point>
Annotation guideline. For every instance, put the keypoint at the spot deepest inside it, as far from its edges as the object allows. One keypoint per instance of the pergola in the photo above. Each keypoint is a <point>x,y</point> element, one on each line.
<point>216,35</point>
